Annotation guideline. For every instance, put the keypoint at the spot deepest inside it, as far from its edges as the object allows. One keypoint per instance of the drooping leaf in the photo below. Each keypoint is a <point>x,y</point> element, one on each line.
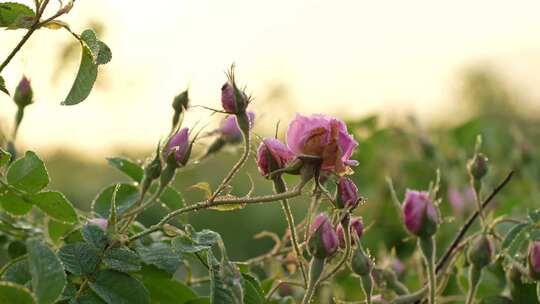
<point>79,258</point>
<point>14,204</point>
<point>122,259</point>
<point>48,277</point>
<point>3,86</point>
<point>160,255</point>
<point>95,236</point>
<point>85,79</point>
<point>28,173</point>
<point>14,293</point>
<point>15,15</point>
<point>5,157</point>
<point>126,196</point>
<point>55,205</point>
<point>164,289</point>
<point>128,167</point>
<point>116,287</point>
<point>105,53</point>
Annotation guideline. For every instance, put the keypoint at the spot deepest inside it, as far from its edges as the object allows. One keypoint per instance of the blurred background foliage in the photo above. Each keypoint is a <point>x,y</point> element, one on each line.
<point>402,149</point>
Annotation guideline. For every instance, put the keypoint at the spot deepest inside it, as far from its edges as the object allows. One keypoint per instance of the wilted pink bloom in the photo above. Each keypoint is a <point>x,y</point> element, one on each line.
<point>179,145</point>
<point>325,137</point>
<point>100,222</point>
<point>229,127</point>
<point>347,193</point>
<point>323,240</point>
<point>534,260</point>
<point>272,155</point>
<point>356,226</point>
<point>419,213</point>
<point>460,200</point>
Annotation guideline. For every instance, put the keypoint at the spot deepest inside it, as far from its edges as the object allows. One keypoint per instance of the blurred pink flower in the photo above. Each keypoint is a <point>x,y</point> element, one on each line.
<point>229,127</point>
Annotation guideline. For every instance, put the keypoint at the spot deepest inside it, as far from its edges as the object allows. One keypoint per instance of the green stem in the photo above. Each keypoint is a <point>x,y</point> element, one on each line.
<point>538,291</point>
<point>316,268</point>
<point>427,245</point>
<point>281,187</point>
<point>367,286</point>
<point>475,274</point>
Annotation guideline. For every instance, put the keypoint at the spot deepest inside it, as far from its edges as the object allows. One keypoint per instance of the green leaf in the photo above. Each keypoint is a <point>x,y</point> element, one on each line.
<point>225,288</point>
<point>116,287</point>
<point>206,237</point>
<point>16,249</point>
<point>18,273</point>
<point>183,244</point>
<point>95,236</point>
<point>128,167</point>
<point>172,198</point>
<point>122,259</point>
<point>101,52</point>
<point>48,277</point>
<point>57,230</point>
<point>253,290</point>
<point>5,157</point>
<point>160,255</point>
<point>85,79</point>
<point>79,258</point>
<point>164,289</point>
<point>199,301</point>
<point>88,297</point>
<point>28,173</point>
<point>14,15</point>
<point>105,53</point>
<point>3,84</point>
<point>511,235</point>
<point>13,293</point>
<point>14,204</point>
<point>126,196</point>
<point>534,215</point>
<point>55,205</point>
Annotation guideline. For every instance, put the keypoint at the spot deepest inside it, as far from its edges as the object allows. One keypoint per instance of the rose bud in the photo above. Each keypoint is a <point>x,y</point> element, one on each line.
<point>180,104</point>
<point>478,166</point>
<point>272,155</point>
<point>229,129</point>
<point>324,137</point>
<point>233,100</point>
<point>23,93</point>
<point>356,226</point>
<point>480,252</point>
<point>178,149</point>
<point>534,260</point>
<point>100,222</point>
<point>347,193</point>
<point>361,263</point>
<point>323,240</point>
<point>419,213</point>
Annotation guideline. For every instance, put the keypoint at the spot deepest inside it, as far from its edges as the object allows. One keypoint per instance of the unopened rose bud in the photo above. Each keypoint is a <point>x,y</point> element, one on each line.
<point>478,166</point>
<point>23,93</point>
<point>323,240</point>
<point>534,260</point>
<point>361,263</point>
<point>233,100</point>
<point>100,222</point>
<point>419,213</point>
<point>347,193</point>
<point>356,227</point>
<point>229,129</point>
<point>272,155</point>
<point>178,149</point>
<point>480,252</point>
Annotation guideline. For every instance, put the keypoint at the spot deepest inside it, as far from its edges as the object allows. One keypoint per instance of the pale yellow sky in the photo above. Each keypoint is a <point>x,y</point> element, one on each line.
<point>340,57</point>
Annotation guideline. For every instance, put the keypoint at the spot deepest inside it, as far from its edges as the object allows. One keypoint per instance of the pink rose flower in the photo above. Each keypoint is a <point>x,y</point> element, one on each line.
<point>419,213</point>
<point>272,155</point>
<point>325,137</point>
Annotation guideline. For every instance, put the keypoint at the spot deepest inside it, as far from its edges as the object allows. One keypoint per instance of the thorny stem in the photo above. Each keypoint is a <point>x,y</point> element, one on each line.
<point>219,202</point>
<point>312,207</point>
<point>427,245</point>
<point>444,258</point>
<point>281,187</point>
<point>316,268</point>
<point>26,36</point>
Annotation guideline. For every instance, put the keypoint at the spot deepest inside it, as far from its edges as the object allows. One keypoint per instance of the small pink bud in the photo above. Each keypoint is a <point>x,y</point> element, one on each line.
<point>100,222</point>
<point>228,100</point>
<point>23,93</point>
<point>229,127</point>
<point>323,240</point>
<point>419,213</point>
<point>356,226</point>
<point>534,260</point>
<point>272,155</point>
<point>347,193</point>
<point>179,147</point>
